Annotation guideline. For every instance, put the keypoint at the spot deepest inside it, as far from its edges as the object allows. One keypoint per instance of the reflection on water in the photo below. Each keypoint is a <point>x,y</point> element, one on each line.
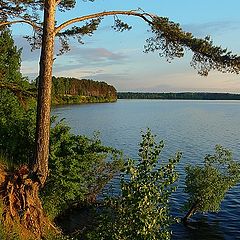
<point>198,230</point>
<point>193,127</point>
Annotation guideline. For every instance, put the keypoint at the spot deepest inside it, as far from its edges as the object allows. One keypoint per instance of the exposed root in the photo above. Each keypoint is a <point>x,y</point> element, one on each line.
<point>22,208</point>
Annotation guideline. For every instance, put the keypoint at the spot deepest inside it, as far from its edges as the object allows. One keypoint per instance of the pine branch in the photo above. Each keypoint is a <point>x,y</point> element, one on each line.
<point>35,26</point>
<point>144,16</point>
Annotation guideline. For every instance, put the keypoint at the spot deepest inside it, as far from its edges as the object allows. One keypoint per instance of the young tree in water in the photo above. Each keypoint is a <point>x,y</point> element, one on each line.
<point>207,185</point>
<point>167,38</point>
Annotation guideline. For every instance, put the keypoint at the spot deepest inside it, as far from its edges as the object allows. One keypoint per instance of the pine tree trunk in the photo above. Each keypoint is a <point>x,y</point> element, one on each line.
<point>40,162</point>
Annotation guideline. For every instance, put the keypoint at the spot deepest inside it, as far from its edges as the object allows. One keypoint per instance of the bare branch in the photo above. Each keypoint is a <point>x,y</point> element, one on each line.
<point>103,14</point>
<point>35,26</point>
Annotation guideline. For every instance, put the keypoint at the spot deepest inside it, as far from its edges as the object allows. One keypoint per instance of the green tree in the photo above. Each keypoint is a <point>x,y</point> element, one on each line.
<point>10,76</point>
<point>14,118</point>
<point>10,58</point>
<point>168,38</point>
<point>207,185</point>
<point>142,210</point>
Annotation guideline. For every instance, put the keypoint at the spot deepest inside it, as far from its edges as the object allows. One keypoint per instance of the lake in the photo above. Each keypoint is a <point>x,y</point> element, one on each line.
<point>192,127</point>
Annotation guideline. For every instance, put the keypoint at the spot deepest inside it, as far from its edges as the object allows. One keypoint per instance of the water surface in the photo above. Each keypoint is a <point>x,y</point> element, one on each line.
<point>192,127</point>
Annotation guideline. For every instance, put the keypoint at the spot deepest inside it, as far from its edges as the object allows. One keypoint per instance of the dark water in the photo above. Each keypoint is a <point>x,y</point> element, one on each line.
<point>192,127</point>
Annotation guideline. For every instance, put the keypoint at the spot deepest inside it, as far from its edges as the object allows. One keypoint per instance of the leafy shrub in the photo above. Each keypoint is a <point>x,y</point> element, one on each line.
<point>207,185</point>
<point>79,169</point>
<point>142,209</point>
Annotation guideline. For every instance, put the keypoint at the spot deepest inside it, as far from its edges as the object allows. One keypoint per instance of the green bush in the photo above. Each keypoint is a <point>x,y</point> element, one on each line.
<point>207,185</point>
<point>142,209</point>
<point>17,129</point>
<point>79,169</point>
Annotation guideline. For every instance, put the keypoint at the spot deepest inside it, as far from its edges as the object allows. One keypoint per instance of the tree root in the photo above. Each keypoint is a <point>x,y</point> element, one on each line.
<point>22,208</point>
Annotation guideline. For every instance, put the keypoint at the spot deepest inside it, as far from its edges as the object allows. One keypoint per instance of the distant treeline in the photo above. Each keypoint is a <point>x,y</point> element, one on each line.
<point>183,95</point>
<point>72,90</point>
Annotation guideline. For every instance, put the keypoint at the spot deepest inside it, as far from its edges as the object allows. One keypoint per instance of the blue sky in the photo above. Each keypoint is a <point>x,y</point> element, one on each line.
<point>118,58</point>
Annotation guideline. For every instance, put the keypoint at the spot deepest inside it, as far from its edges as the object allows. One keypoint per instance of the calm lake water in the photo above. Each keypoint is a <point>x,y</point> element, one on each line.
<point>192,127</point>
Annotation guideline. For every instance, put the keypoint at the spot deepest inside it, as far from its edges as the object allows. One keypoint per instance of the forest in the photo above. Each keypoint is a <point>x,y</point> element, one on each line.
<point>182,95</point>
<point>72,90</point>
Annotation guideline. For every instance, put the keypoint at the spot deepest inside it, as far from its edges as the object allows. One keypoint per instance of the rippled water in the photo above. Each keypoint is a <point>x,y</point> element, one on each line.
<point>192,127</point>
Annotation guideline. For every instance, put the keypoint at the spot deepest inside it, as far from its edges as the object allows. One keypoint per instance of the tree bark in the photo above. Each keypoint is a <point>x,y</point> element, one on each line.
<point>191,211</point>
<point>40,161</point>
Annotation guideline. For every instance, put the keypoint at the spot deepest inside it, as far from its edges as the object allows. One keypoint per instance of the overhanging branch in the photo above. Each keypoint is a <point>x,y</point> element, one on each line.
<point>144,16</point>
